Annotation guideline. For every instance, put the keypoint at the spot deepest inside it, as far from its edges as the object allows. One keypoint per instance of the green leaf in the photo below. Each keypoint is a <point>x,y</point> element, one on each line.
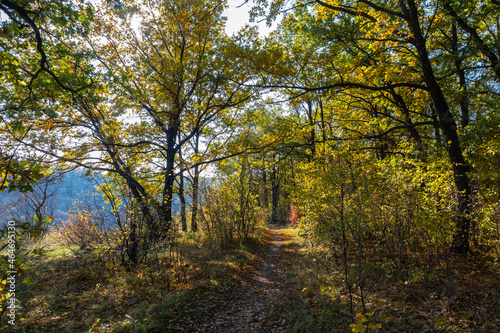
<point>51,113</point>
<point>47,220</point>
<point>374,326</point>
<point>29,281</point>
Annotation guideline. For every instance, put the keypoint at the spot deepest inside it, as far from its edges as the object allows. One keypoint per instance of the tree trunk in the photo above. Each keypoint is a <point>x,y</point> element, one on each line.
<point>133,243</point>
<point>194,214</point>
<point>182,198</point>
<point>168,189</point>
<point>435,125</point>
<point>140,195</point>
<point>275,196</point>
<point>322,115</point>
<point>312,133</point>
<point>265,199</point>
<point>461,239</point>
<point>242,200</point>
<point>464,101</point>
<point>196,177</point>
<point>417,140</point>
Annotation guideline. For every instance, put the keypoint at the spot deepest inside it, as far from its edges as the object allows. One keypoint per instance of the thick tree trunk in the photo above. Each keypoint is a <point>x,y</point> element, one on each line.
<point>168,189</point>
<point>140,196</point>
<point>461,240</point>
<point>194,214</point>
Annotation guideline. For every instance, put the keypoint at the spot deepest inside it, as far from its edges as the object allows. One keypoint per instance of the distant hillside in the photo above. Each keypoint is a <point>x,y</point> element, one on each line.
<point>61,195</point>
<point>71,191</point>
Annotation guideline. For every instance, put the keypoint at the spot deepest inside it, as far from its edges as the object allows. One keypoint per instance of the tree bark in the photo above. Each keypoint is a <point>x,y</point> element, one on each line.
<point>182,197</point>
<point>168,189</point>
<point>196,179</point>
<point>275,196</point>
<point>417,140</point>
<point>312,133</point>
<point>265,197</point>
<point>464,101</point>
<point>461,239</point>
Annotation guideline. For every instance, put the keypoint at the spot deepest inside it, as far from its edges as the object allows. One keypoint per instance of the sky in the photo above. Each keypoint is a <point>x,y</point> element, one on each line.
<point>237,17</point>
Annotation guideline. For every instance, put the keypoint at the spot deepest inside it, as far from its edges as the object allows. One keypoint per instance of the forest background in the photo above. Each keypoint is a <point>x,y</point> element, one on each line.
<point>371,126</point>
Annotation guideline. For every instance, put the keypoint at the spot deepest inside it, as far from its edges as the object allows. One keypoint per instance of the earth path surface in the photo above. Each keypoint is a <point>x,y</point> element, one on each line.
<point>250,306</point>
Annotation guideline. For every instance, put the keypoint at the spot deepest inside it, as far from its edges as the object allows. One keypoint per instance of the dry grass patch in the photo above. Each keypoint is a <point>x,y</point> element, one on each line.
<point>83,292</point>
<point>458,295</point>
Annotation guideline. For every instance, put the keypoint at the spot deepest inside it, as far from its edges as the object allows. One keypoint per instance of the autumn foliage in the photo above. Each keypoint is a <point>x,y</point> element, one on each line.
<point>370,127</point>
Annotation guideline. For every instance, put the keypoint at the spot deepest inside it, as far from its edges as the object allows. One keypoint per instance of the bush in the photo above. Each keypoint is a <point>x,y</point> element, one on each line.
<point>230,212</point>
<point>80,230</point>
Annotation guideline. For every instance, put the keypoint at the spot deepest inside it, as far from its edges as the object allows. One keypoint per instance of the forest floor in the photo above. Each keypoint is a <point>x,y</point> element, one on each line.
<point>249,306</point>
<point>271,283</point>
<point>230,291</point>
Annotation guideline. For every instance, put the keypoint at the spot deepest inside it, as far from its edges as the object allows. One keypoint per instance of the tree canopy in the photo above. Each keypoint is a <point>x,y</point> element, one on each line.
<point>372,126</point>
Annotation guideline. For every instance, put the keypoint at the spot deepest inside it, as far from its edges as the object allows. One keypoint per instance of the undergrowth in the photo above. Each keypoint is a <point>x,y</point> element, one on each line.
<point>459,296</point>
<point>78,291</point>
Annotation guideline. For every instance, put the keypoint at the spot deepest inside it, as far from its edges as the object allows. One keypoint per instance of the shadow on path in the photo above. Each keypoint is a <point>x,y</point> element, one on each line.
<point>249,307</point>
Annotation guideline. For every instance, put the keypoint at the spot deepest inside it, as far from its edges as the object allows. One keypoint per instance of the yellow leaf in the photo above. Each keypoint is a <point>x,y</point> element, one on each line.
<point>358,327</point>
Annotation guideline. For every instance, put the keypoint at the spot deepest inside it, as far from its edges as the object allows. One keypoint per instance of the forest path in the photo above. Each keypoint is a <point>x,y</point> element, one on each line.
<point>249,306</point>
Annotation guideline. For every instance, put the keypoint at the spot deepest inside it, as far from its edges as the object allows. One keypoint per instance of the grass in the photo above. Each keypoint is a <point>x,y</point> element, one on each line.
<point>88,294</point>
<point>459,295</point>
<point>85,294</point>
<point>303,307</point>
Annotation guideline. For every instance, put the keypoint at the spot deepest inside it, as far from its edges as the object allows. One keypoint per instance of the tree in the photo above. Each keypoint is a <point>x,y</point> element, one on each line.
<point>383,48</point>
<point>40,203</point>
<point>179,83</point>
<point>39,65</point>
<point>40,69</point>
<point>478,22</point>
<point>159,87</point>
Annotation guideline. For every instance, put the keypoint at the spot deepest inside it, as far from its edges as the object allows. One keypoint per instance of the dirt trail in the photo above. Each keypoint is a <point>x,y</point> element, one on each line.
<point>247,310</point>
